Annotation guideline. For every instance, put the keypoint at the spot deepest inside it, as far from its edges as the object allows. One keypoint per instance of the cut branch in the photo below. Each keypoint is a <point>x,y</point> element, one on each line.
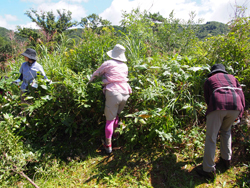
<point>20,173</point>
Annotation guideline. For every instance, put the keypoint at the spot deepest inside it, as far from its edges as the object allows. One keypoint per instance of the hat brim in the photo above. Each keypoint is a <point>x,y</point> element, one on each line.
<point>28,56</point>
<point>121,57</point>
<point>217,71</point>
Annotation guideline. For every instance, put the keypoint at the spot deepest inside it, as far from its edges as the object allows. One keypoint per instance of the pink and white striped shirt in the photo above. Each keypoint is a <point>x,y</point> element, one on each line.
<point>114,76</point>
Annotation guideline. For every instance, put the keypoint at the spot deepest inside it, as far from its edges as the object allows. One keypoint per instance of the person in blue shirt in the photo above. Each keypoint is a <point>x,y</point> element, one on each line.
<point>29,70</point>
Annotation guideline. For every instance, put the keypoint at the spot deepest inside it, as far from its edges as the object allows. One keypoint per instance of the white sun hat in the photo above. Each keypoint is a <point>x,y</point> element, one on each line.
<point>118,53</point>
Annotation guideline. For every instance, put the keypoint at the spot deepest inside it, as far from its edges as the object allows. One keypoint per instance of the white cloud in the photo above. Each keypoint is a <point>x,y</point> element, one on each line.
<point>223,10</point>
<point>4,22</point>
<point>48,1</point>
<point>181,9</point>
<point>77,1</point>
<point>36,1</point>
<point>209,10</point>
<point>78,11</point>
<point>10,17</point>
<point>31,25</point>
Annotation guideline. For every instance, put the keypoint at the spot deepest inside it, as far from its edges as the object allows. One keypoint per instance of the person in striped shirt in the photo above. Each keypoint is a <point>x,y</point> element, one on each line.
<point>116,88</point>
<point>225,103</point>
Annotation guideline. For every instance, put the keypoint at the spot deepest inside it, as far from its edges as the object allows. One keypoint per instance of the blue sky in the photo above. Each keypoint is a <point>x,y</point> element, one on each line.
<point>12,12</point>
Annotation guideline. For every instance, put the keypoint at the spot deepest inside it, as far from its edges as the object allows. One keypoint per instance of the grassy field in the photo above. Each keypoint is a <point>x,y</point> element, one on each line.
<point>136,169</point>
<point>158,166</point>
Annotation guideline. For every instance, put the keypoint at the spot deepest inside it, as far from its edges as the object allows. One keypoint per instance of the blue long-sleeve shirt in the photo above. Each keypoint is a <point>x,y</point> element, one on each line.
<point>29,73</point>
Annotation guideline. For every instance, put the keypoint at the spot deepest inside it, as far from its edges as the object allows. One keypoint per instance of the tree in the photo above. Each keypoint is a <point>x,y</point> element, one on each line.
<point>48,23</point>
<point>94,21</point>
<point>174,34</point>
<point>31,34</point>
<point>155,17</point>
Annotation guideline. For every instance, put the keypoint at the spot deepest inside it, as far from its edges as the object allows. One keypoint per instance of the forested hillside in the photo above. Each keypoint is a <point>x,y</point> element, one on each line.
<point>4,33</point>
<point>8,41</point>
<point>210,28</point>
<point>51,135</point>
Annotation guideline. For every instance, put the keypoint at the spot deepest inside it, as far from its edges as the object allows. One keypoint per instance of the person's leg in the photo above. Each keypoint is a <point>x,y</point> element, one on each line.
<point>109,131</point>
<point>120,108</point>
<point>123,102</point>
<point>214,121</point>
<point>112,102</point>
<point>116,121</point>
<point>110,111</point>
<point>116,134</point>
<point>226,139</point>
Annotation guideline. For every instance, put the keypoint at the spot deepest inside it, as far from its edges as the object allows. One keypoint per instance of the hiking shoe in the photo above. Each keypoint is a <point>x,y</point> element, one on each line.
<point>226,163</point>
<point>201,172</point>
<point>108,148</point>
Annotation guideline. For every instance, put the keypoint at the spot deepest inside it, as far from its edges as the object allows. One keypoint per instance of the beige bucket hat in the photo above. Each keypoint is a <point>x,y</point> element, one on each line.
<point>118,53</point>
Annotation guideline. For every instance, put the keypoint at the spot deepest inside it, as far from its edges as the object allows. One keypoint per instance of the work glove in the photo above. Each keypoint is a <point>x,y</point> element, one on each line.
<point>236,121</point>
<point>34,84</point>
<point>17,82</point>
<point>48,80</point>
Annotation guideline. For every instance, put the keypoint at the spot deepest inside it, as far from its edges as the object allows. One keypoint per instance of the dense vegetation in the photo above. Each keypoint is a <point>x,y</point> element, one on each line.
<point>96,23</point>
<point>60,123</point>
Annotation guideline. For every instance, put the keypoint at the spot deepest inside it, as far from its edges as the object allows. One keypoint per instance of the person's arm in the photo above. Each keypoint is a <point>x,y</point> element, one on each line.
<point>21,77</point>
<point>100,71</point>
<point>40,69</point>
<point>241,94</point>
<point>43,73</point>
<point>44,76</point>
<point>206,92</point>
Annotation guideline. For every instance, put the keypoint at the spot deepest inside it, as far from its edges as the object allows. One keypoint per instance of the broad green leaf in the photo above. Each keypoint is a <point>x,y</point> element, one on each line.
<point>6,116</point>
<point>186,106</point>
<point>44,87</point>
<point>194,68</point>
<point>141,67</point>
<point>47,97</point>
<point>166,73</point>
<point>136,120</point>
<point>29,97</point>
<point>142,121</point>
<point>24,104</point>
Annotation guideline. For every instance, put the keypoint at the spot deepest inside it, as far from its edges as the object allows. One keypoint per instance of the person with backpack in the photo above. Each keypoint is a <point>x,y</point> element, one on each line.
<point>225,103</point>
<point>116,90</point>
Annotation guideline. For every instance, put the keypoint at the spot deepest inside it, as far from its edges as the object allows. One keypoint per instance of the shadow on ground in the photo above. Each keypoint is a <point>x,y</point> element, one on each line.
<point>159,168</point>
